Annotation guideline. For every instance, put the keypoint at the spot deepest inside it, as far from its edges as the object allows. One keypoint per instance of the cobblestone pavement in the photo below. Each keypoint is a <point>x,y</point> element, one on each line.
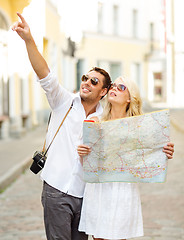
<point>21,210</point>
<point>163,204</point>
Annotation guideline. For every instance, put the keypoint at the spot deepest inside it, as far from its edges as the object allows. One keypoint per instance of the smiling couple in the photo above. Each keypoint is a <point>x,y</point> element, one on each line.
<point>109,210</point>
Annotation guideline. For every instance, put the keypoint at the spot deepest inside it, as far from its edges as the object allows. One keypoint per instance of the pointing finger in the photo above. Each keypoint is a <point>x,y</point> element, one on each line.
<point>21,17</point>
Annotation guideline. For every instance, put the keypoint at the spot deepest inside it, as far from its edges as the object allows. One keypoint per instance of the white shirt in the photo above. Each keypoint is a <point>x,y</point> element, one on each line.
<point>63,169</point>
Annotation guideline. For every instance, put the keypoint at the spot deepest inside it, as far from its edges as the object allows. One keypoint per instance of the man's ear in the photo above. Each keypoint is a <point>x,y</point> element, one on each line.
<point>103,92</point>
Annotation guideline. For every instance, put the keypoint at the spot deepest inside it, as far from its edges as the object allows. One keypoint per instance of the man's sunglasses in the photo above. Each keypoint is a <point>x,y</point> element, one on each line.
<point>94,80</point>
<point>120,86</point>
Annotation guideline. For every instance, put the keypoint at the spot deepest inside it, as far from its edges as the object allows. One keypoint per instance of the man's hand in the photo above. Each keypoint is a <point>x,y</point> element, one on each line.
<point>37,61</point>
<point>83,150</point>
<point>169,150</point>
<point>22,28</point>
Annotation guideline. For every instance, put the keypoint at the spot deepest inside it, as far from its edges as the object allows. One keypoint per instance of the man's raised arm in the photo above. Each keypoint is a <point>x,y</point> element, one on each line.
<point>37,61</point>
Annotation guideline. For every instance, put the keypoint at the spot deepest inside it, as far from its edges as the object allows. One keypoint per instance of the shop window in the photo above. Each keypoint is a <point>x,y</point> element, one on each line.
<point>158,86</point>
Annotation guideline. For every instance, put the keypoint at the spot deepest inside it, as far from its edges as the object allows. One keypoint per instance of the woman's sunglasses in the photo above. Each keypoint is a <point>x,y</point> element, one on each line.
<point>120,87</point>
<point>94,80</point>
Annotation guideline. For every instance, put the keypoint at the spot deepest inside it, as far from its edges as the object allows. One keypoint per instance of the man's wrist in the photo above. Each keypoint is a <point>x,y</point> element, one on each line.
<point>30,41</point>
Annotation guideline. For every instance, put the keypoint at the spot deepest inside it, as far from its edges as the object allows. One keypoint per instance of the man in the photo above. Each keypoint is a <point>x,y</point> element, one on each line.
<point>62,174</point>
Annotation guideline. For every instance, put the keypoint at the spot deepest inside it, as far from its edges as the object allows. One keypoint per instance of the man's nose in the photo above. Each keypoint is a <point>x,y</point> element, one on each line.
<point>88,81</point>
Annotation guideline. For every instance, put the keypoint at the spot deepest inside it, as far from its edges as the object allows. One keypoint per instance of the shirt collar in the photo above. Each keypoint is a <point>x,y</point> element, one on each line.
<point>99,109</point>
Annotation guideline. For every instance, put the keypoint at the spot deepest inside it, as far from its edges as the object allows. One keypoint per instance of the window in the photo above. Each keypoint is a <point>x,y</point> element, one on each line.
<point>4,81</point>
<point>115,19</point>
<point>158,86</point>
<point>136,73</point>
<point>135,23</point>
<point>5,97</point>
<point>115,70</point>
<point>151,31</point>
<point>151,37</point>
<point>100,17</point>
<point>80,72</point>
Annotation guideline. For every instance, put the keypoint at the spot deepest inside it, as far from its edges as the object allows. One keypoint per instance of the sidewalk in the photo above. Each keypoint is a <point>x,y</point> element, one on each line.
<point>176,114</point>
<point>16,153</point>
<point>177,119</point>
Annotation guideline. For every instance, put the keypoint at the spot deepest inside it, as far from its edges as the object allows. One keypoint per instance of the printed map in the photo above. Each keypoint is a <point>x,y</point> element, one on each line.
<point>127,149</point>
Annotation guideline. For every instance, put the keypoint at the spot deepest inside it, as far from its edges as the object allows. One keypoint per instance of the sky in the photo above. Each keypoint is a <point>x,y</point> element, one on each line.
<point>76,16</point>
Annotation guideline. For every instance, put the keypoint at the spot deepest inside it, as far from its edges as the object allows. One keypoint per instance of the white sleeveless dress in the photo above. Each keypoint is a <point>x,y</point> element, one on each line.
<point>112,211</point>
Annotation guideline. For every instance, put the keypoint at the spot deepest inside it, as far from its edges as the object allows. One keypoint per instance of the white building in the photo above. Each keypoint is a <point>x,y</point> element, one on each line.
<point>175,53</point>
<point>126,38</point>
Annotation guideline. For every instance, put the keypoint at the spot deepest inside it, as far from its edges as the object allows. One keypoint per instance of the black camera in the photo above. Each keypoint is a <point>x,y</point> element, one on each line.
<point>38,162</point>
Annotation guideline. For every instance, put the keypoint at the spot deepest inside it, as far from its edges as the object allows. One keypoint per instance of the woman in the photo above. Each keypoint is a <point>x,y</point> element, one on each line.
<point>113,210</point>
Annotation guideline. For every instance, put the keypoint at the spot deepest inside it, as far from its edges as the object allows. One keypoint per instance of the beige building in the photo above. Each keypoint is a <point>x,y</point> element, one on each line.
<point>22,102</point>
<point>8,11</point>
<point>136,39</point>
<point>141,40</point>
<point>123,39</point>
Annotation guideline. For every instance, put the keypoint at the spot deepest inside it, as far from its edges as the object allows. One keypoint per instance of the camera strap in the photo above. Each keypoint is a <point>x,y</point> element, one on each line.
<point>45,151</point>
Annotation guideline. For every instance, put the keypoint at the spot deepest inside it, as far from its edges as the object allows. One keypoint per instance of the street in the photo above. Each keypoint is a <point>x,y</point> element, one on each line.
<point>162,204</point>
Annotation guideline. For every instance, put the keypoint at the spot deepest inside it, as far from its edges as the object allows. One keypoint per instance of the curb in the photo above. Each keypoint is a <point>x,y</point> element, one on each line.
<point>13,173</point>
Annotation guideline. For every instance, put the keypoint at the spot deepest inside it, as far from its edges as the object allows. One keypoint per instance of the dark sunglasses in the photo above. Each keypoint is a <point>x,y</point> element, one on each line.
<point>94,80</point>
<point>120,87</point>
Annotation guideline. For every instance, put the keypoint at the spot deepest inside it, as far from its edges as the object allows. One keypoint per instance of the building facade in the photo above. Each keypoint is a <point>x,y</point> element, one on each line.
<point>140,40</point>
<point>23,104</point>
<point>124,37</point>
<point>8,11</point>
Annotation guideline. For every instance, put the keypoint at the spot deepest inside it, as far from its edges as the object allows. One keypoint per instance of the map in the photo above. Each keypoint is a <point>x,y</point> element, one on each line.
<point>127,149</point>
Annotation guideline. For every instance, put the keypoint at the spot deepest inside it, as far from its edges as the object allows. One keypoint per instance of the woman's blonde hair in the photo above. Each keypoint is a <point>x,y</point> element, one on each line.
<point>134,108</point>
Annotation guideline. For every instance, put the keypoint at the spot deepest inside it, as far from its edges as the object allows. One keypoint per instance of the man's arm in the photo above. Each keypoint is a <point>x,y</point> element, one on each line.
<point>56,95</point>
<point>37,61</point>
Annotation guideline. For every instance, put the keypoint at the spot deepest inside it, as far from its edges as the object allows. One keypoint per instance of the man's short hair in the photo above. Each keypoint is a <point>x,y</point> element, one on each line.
<point>107,79</point>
